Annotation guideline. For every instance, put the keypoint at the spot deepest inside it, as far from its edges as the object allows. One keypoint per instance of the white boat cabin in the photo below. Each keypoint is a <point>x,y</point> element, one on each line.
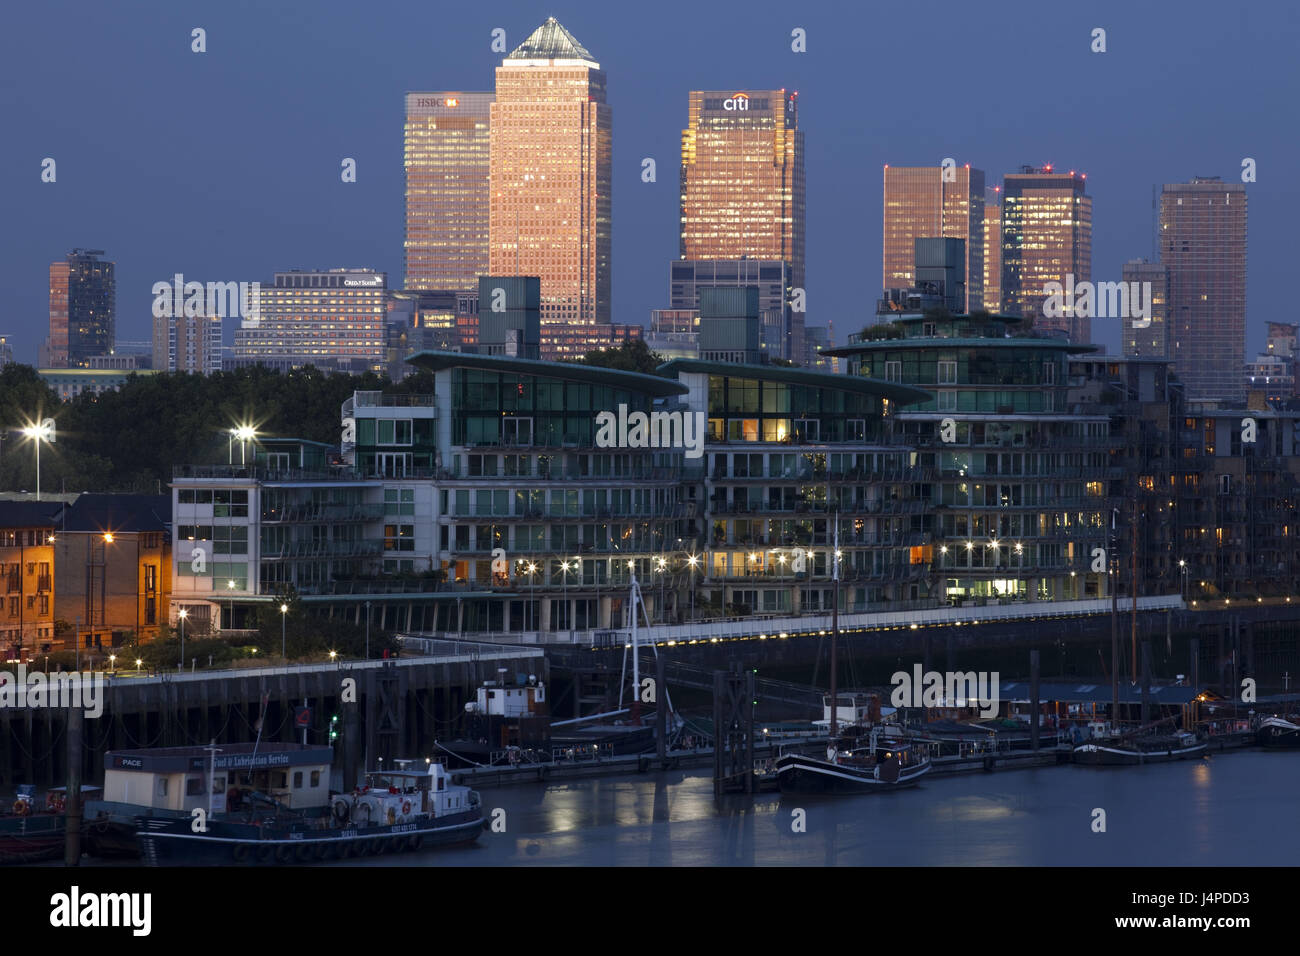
<point>183,778</point>
<point>499,698</point>
<point>396,796</point>
<point>853,708</point>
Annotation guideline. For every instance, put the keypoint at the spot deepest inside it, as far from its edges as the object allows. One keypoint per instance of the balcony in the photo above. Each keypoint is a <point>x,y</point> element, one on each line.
<point>383,400</point>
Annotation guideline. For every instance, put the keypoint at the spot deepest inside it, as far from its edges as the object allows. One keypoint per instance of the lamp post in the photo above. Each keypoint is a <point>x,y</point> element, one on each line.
<point>284,611</point>
<point>1182,567</point>
<point>244,434</point>
<point>367,630</point>
<point>532,592</point>
<point>230,587</point>
<point>44,431</point>
<point>661,565</point>
<point>564,571</point>
<point>691,561</point>
<point>182,614</point>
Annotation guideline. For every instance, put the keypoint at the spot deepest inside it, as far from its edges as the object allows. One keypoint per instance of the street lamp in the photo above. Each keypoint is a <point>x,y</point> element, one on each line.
<point>691,561</point>
<point>230,587</point>
<point>42,432</point>
<point>564,571</point>
<point>532,580</point>
<point>112,663</point>
<point>284,610</point>
<point>1182,567</point>
<point>182,614</point>
<point>244,434</point>
<point>367,630</point>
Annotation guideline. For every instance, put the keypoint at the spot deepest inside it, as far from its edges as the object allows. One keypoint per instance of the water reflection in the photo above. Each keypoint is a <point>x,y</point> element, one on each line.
<point>1229,809</point>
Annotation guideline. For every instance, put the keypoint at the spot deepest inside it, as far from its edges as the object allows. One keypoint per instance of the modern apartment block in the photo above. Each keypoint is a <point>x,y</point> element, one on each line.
<point>1147,337</point>
<point>743,189</point>
<point>187,344</point>
<point>83,309</point>
<point>933,202</point>
<point>1013,495</point>
<point>332,319</point>
<point>1046,237</point>
<point>1203,246</point>
<point>447,160</point>
<point>551,176</point>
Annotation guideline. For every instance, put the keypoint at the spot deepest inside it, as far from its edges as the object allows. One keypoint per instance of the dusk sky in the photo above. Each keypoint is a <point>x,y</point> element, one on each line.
<point>224,166</point>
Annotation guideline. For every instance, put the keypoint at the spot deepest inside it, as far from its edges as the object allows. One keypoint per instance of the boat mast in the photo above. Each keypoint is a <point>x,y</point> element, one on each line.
<point>1112,582</point>
<point>835,621</point>
<point>635,597</point>
<point>1133,567</point>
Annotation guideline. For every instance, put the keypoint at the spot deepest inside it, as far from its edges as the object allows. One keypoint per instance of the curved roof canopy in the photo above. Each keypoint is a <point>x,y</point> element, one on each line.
<point>895,392</point>
<point>652,385</point>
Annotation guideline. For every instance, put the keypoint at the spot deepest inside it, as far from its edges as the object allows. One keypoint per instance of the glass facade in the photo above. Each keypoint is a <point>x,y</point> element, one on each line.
<point>742,178</point>
<point>447,159</point>
<point>83,309</point>
<point>1046,236</point>
<point>1203,245</point>
<point>551,176</point>
<point>933,202</point>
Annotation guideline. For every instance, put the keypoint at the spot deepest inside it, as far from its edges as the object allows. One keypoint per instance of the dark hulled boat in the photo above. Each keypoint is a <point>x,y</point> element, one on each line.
<point>1275,733</point>
<point>395,812</point>
<point>1120,752</point>
<point>885,763</point>
<point>30,834</point>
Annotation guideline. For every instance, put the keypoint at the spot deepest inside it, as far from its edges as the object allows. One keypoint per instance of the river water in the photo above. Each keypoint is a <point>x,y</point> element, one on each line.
<point>1236,808</point>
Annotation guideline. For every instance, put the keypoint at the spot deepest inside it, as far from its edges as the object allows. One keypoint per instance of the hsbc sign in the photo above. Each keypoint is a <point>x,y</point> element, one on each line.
<point>737,103</point>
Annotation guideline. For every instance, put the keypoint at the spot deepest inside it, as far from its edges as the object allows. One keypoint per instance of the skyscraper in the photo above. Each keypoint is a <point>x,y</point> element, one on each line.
<point>447,196</point>
<point>993,248</point>
<point>1149,341</point>
<point>933,202</point>
<point>1203,245</point>
<point>551,176</point>
<point>742,180</point>
<point>83,306</point>
<point>1046,236</point>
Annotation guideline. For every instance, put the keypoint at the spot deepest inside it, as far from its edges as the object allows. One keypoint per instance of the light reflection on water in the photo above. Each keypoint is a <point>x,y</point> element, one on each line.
<point>1228,809</point>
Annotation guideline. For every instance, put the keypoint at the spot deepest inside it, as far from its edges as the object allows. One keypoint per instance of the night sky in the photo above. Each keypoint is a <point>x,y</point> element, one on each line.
<point>225,165</point>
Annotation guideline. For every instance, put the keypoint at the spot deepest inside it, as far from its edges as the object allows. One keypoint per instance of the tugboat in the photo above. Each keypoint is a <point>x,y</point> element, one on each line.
<point>1275,733</point>
<point>506,722</point>
<point>394,812</point>
<point>1121,751</point>
<point>886,763</point>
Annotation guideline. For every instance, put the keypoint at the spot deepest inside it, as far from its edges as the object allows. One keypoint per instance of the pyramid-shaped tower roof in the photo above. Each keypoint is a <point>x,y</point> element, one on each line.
<point>551,41</point>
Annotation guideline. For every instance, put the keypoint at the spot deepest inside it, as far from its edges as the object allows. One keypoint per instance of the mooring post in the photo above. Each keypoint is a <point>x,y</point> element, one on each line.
<point>1195,651</point>
<point>72,806</point>
<point>719,688</point>
<point>1034,705</point>
<point>661,708</point>
<point>1146,682</point>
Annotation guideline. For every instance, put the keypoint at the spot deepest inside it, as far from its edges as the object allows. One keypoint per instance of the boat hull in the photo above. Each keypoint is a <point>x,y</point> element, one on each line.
<point>1279,738</point>
<point>1118,755</point>
<point>171,843</point>
<point>797,773</point>
<point>32,839</point>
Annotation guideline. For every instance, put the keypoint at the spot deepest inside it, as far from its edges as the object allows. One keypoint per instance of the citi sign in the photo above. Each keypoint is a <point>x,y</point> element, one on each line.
<point>737,103</point>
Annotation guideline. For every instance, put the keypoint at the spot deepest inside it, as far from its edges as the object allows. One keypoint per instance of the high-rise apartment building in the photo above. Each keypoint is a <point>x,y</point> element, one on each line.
<point>993,248</point>
<point>742,178</point>
<point>187,343</point>
<point>83,306</point>
<point>1146,336</point>
<point>1046,237</point>
<point>933,202</point>
<point>447,158</point>
<point>551,176</point>
<point>1203,245</point>
<point>333,320</point>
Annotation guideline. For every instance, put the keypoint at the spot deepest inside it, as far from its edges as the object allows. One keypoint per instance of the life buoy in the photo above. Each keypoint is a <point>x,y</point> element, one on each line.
<point>22,808</point>
<point>406,807</point>
<point>54,802</point>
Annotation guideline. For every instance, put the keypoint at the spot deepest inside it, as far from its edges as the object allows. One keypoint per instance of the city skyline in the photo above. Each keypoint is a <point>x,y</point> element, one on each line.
<point>841,212</point>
